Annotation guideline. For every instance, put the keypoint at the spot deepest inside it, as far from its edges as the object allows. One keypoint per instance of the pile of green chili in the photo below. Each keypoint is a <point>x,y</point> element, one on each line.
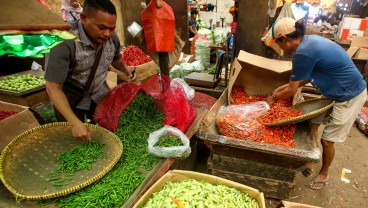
<point>137,121</point>
<point>169,141</point>
<point>72,160</point>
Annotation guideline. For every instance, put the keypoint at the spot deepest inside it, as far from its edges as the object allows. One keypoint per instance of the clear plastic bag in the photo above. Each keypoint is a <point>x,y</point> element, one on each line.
<point>189,92</point>
<point>169,152</point>
<point>240,121</point>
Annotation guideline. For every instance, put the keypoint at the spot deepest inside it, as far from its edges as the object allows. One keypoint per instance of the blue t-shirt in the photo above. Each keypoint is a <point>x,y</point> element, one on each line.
<point>328,67</point>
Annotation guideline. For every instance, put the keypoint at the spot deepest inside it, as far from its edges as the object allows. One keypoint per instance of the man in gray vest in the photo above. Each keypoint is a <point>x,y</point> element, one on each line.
<point>73,92</point>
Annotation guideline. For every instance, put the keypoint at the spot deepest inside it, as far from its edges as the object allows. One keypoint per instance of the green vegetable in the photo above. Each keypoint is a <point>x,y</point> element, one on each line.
<point>137,121</point>
<point>47,114</point>
<point>193,193</point>
<point>169,141</point>
<point>20,83</point>
<point>78,158</point>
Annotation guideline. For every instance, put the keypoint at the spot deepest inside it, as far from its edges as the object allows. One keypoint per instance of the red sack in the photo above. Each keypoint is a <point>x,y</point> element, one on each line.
<point>159,27</point>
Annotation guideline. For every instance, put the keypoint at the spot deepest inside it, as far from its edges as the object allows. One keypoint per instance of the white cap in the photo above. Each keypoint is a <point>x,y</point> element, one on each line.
<point>282,27</point>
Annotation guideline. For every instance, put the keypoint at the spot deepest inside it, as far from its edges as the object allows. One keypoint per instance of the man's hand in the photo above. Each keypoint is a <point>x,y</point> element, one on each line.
<point>81,131</point>
<point>120,65</point>
<point>58,98</point>
<point>270,100</point>
<point>131,75</point>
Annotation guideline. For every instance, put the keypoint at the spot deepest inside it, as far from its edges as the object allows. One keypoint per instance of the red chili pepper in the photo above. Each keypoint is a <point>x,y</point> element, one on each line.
<point>255,130</point>
<point>4,114</point>
<point>134,56</point>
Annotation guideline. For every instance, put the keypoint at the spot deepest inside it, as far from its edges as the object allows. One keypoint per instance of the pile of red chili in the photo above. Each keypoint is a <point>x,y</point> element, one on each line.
<point>256,131</point>
<point>134,56</point>
<point>4,114</point>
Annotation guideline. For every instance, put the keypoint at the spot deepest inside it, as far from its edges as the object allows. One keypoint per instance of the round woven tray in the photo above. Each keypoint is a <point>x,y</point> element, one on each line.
<point>311,109</point>
<point>26,163</point>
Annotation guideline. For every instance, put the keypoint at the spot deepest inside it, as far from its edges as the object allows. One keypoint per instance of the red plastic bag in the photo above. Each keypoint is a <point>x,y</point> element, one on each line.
<point>108,111</point>
<point>172,101</point>
<point>159,27</point>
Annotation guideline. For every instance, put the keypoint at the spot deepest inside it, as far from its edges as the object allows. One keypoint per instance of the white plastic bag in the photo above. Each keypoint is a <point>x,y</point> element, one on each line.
<point>197,66</point>
<point>169,152</point>
<point>189,92</point>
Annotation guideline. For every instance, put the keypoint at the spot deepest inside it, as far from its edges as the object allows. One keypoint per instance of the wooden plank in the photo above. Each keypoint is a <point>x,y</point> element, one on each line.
<point>201,79</point>
<point>260,156</point>
<point>30,100</point>
<point>271,188</point>
<point>211,115</point>
<point>249,167</point>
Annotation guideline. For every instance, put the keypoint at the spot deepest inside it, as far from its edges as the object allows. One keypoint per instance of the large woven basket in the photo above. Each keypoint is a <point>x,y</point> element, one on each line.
<point>26,163</point>
<point>311,109</point>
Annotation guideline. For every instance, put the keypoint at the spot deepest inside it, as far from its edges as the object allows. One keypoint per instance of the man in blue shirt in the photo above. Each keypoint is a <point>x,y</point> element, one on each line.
<point>329,68</point>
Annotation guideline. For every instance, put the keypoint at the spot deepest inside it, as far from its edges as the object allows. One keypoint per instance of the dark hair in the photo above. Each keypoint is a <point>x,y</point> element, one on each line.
<point>91,6</point>
<point>299,30</point>
<point>193,12</point>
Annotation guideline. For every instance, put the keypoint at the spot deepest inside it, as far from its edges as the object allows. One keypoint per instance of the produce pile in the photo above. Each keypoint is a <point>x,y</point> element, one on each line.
<point>134,56</point>
<point>169,141</point>
<point>72,160</point>
<point>202,100</point>
<point>256,130</point>
<point>137,121</point>
<point>193,193</point>
<point>20,83</point>
<point>5,114</point>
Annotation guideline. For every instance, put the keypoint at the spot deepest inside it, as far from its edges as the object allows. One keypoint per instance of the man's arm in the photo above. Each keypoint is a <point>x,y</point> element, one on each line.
<point>286,91</point>
<point>120,65</point>
<point>194,31</point>
<point>60,102</point>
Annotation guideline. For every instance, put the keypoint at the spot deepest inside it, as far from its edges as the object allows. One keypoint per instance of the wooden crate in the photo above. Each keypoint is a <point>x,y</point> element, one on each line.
<point>28,98</point>
<point>269,168</point>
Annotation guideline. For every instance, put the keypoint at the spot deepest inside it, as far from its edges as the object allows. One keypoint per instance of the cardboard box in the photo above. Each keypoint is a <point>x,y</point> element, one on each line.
<point>258,75</point>
<point>179,175</point>
<point>16,124</point>
<point>358,48</point>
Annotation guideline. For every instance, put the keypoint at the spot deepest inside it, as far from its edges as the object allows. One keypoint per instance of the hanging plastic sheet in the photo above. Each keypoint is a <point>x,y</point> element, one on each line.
<point>267,39</point>
<point>159,27</point>
<point>27,45</point>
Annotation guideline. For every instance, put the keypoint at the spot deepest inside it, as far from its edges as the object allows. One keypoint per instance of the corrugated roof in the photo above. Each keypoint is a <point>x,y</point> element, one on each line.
<point>28,15</point>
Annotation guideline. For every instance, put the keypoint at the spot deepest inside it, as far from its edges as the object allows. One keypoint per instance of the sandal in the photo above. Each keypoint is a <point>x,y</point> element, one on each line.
<point>313,182</point>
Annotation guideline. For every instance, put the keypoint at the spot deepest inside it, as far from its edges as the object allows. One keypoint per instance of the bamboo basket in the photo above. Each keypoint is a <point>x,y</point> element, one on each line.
<point>26,163</point>
<point>311,109</point>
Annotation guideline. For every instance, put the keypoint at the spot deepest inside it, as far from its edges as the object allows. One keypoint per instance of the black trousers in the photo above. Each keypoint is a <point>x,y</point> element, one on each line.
<point>83,115</point>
